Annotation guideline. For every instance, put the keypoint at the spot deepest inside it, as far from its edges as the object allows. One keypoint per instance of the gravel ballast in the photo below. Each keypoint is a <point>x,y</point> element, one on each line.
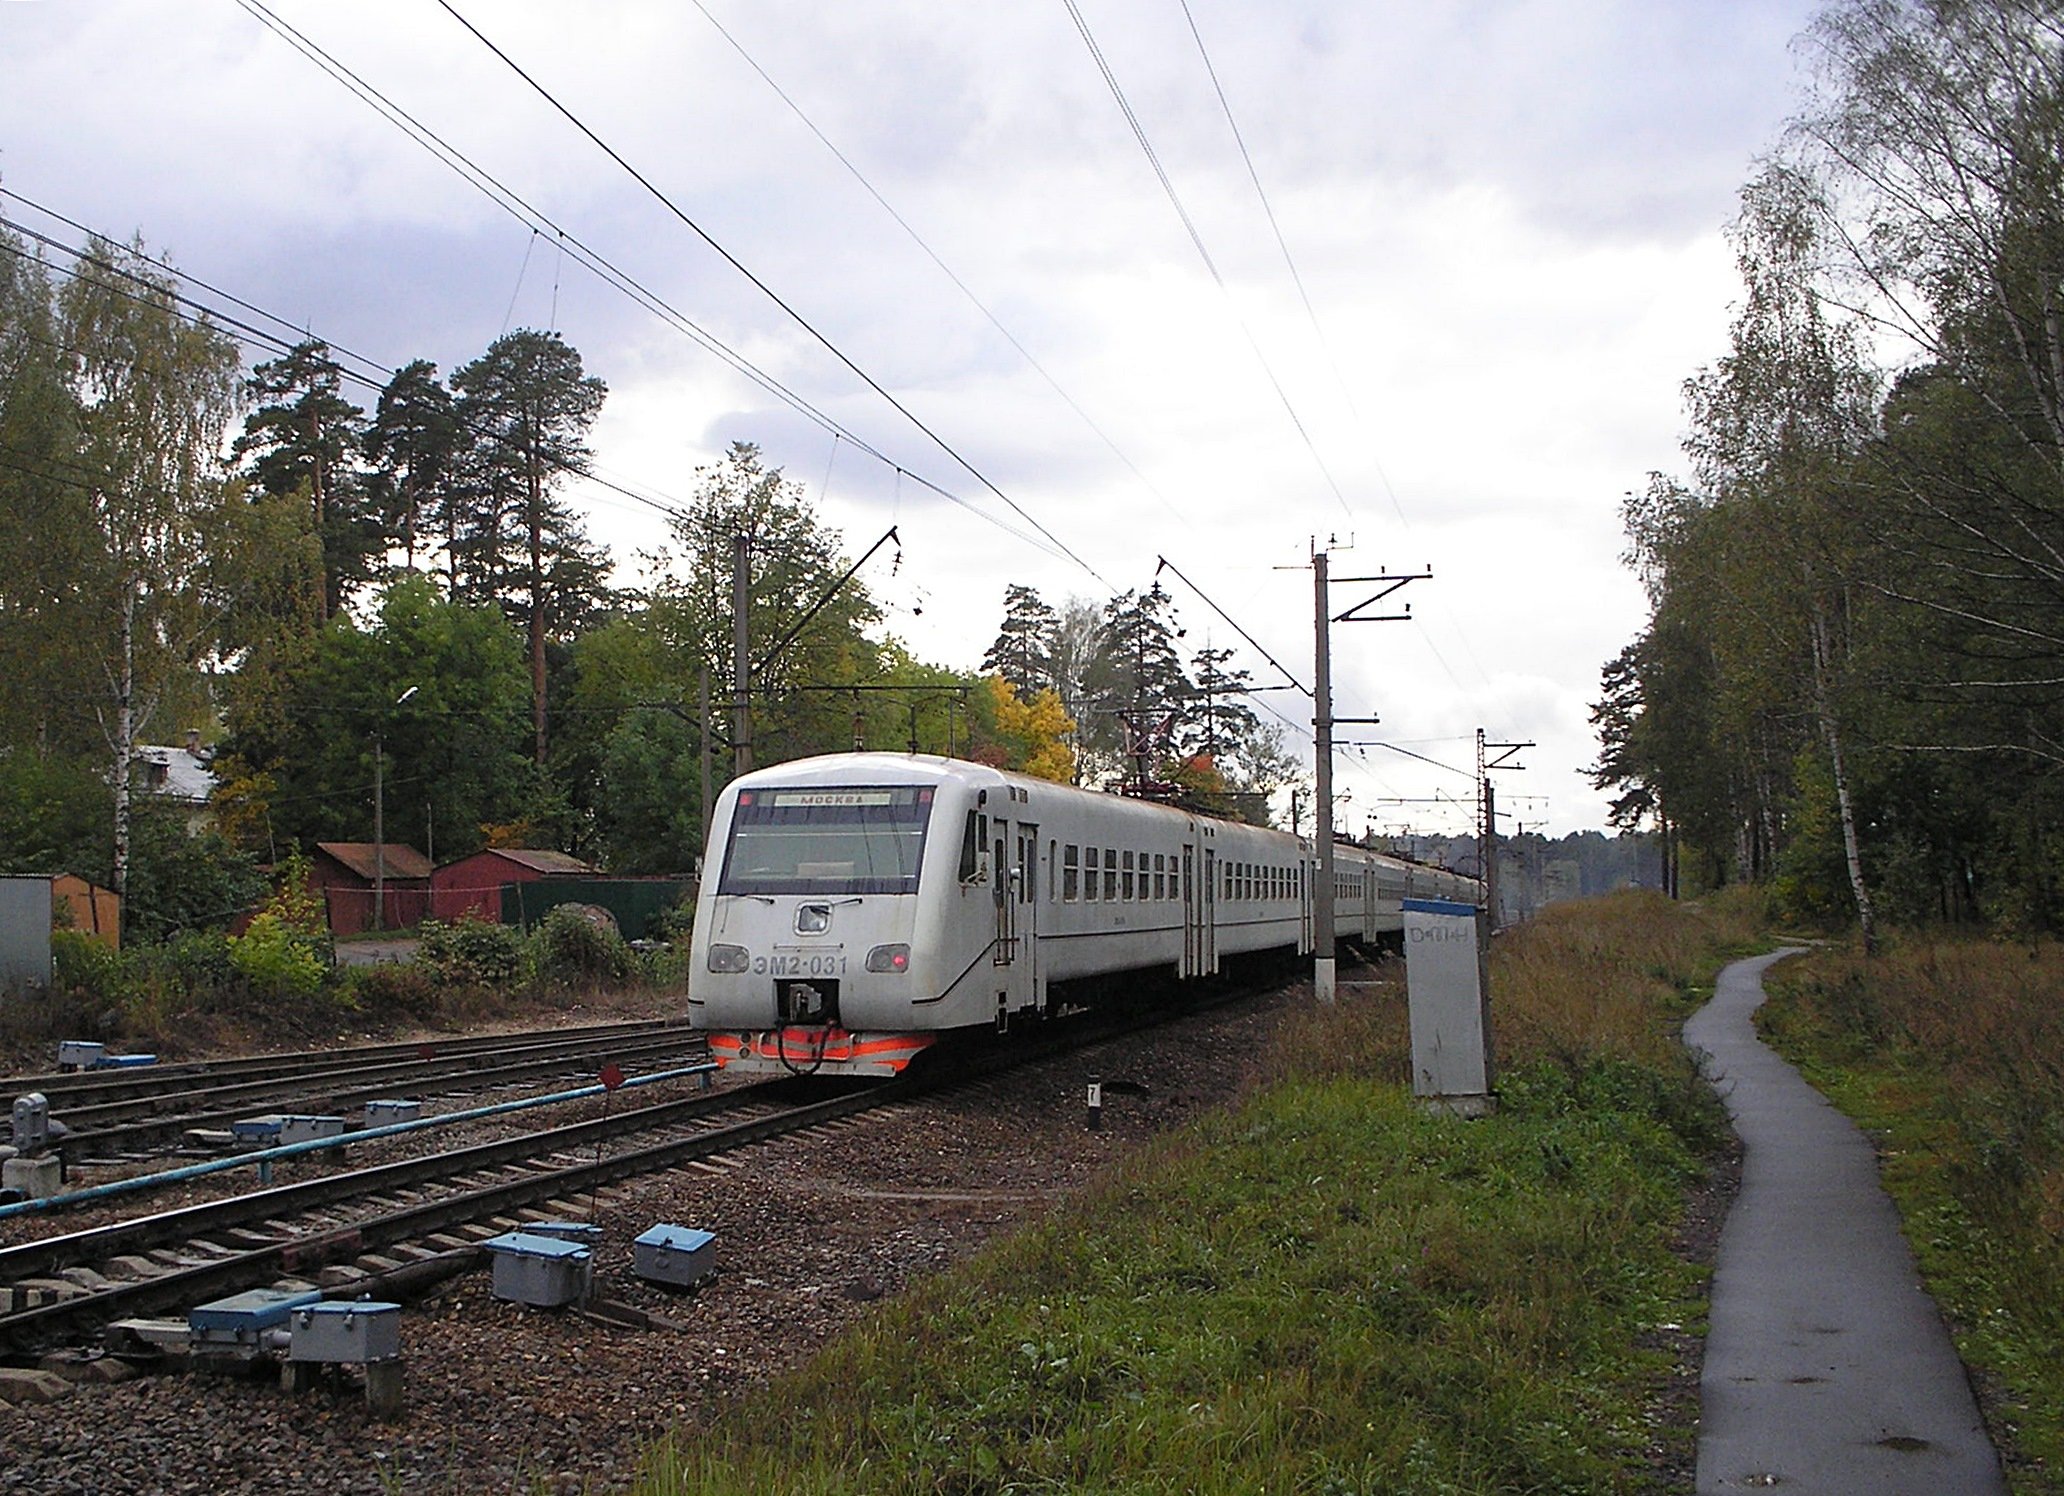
<point>811,1233</point>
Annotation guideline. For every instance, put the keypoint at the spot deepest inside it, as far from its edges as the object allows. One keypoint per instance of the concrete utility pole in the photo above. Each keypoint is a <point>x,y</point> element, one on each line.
<point>1323,960</point>
<point>1488,832</point>
<point>1323,925</point>
<point>708,753</point>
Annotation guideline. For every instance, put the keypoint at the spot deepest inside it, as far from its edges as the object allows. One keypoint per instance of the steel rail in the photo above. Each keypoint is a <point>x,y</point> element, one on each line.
<point>257,1264</point>
<point>88,1086</point>
<point>157,1122</point>
<point>260,1263</point>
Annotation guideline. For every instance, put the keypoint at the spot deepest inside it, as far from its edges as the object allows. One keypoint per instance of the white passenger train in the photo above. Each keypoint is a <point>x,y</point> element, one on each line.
<point>854,907</point>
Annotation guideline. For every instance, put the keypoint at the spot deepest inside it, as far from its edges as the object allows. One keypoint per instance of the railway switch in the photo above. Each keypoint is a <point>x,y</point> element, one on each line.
<point>679,1255</point>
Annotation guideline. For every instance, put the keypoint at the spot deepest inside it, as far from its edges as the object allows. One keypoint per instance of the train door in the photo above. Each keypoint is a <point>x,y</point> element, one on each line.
<point>1025,914</point>
<point>1015,856</point>
<point>1192,949</point>
<point>1005,893</point>
<point>1304,906</point>
<point>1208,914</point>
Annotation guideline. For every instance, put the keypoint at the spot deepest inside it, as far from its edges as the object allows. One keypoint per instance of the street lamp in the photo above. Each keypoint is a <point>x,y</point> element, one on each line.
<point>379,822</point>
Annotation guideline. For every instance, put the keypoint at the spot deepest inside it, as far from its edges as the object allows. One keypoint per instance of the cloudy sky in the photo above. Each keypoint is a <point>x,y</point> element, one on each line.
<point>1505,215</point>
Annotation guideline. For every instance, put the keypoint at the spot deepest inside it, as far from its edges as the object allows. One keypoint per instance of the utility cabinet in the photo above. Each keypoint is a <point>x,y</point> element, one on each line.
<point>541,1271</point>
<point>680,1255</point>
<point>1447,966</point>
<point>350,1333</point>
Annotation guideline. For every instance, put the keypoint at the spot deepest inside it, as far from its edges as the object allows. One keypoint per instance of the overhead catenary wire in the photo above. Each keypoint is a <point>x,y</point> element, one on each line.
<point>1197,240</point>
<point>768,291</point>
<point>933,255</point>
<point>607,271</point>
<point>525,213</point>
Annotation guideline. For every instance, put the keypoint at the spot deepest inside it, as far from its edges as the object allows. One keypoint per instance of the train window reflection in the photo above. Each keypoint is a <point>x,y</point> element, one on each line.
<point>863,839</point>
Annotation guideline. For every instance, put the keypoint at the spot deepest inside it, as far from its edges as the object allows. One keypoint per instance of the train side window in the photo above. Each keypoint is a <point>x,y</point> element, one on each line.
<point>1126,885</point>
<point>1110,874</point>
<point>971,841</point>
<point>1089,882</point>
<point>1160,877</point>
<point>1071,873</point>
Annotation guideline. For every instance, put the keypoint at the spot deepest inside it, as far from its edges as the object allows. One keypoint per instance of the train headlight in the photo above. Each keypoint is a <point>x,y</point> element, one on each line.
<point>894,958</point>
<point>729,958</point>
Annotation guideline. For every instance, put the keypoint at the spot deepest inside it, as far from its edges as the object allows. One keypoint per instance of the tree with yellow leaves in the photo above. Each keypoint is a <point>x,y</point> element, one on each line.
<point>1029,737</point>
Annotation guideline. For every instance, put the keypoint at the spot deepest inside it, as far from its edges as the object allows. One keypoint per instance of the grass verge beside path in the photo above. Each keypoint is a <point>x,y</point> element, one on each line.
<point>1951,1054</point>
<point>1323,1289</point>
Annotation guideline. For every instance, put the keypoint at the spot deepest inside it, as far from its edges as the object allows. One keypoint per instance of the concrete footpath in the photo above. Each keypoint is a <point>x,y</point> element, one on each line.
<point>1828,1368</point>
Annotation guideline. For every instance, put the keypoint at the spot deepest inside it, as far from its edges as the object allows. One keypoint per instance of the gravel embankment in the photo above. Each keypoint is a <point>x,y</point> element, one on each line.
<point>810,1234</point>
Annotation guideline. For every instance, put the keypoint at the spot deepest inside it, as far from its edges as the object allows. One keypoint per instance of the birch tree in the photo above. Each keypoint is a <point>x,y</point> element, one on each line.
<point>156,392</point>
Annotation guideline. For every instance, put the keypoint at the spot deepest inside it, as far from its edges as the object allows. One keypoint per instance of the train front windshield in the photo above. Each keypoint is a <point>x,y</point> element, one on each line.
<point>827,841</point>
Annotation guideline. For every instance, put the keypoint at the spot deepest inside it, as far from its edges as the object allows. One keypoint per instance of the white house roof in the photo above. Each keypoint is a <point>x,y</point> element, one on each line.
<point>176,773</point>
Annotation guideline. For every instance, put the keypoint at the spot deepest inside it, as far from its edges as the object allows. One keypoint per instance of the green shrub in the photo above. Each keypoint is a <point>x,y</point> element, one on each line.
<point>87,971</point>
<point>394,988</point>
<point>675,923</point>
<point>572,950</point>
<point>277,960</point>
<point>198,961</point>
<point>470,953</point>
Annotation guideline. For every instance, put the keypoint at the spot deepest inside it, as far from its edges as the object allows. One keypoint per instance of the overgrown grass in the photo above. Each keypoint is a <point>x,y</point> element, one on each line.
<point>1953,1054</point>
<point>1325,1289</point>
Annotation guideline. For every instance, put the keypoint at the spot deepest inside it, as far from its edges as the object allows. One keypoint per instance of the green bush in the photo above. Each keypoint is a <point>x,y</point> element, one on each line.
<point>571,950</point>
<point>675,923</point>
<point>278,960</point>
<point>394,988</point>
<point>470,953</point>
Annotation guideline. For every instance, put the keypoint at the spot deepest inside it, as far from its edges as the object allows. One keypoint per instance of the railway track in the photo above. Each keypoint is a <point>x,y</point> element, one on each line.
<point>68,1288</point>
<point>86,1087</point>
<point>126,1124</point>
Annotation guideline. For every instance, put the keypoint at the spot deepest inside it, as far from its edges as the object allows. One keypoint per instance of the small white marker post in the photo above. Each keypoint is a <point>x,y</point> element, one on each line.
<point>1096,1103</point>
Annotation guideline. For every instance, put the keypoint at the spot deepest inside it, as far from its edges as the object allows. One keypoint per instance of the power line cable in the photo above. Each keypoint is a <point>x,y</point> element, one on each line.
<point>933,255</point>
<point>1197,239</point>
<point>766,290</point>
<point>597,264</point>
<point>1282,243</point>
